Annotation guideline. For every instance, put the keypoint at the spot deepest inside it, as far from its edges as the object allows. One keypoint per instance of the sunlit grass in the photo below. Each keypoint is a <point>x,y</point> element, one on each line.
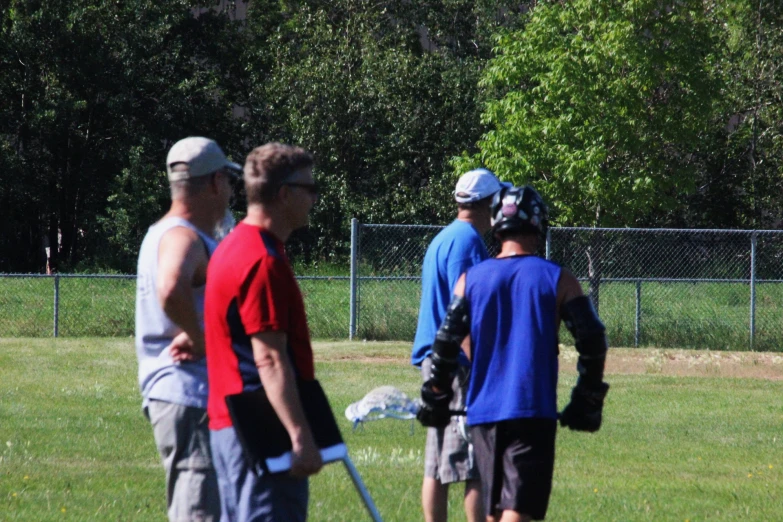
<point>75,446</point>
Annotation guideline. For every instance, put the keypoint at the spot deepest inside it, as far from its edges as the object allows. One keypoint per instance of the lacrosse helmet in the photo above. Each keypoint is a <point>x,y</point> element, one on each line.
<point>519,210</point>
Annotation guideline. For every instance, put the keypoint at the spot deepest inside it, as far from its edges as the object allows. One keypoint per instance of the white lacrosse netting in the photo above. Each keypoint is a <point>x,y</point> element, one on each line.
<point>382,403</point>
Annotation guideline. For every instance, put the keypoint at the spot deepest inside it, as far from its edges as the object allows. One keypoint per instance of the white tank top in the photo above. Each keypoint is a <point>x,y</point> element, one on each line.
<point>159,377</point>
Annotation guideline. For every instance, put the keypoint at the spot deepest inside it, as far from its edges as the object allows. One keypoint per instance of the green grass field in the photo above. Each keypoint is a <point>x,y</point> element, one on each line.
<point>690,443</point>
<point>713,316</point>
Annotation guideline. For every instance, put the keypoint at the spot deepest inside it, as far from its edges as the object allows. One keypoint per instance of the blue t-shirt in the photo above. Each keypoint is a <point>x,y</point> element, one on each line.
<point>513,309</point>
<point>455,249</point>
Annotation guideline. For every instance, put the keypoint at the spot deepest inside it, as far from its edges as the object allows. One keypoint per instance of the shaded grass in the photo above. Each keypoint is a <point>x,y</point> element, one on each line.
<point>72,438</point>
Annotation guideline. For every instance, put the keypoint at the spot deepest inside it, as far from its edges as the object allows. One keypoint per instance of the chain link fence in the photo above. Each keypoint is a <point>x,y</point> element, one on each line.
<point>388,279</point>
<point>33,305</point>
<point>92,305</point>
<point>714,289</point>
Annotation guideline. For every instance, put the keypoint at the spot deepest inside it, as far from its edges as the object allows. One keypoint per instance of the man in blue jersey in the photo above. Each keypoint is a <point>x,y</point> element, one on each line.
<point>448,456</point>
<point>511,307</point>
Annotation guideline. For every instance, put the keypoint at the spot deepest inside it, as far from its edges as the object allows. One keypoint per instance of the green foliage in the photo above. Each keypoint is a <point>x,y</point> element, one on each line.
<point>380,104</point>
<point>601,105</point>
<point>627,113</point>
<point>135,204</point>
<point>94,94</point>
<point>741,183</point>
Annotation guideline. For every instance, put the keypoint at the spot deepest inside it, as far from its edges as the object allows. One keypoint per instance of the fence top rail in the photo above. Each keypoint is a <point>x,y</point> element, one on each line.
<point>74,276</point>
<point>588,229</point>
<point>382,225</point>
<point>680,280</point>
<point>133,276</point>
<point>611,279</point>
<point>670,230</point>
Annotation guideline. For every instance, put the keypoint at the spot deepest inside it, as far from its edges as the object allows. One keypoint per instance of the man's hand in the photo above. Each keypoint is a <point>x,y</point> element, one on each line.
<point>434,411</point>
<point>277,376</point>
<point>584,412</point>
<point>184,349</point>
<point>305,458</point>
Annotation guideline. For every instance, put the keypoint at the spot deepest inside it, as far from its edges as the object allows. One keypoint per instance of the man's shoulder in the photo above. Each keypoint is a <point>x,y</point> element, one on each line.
<point>250,251</point>
<point>236,250</point>
<point>167,226</point>
<point>547,263</point>
<point>458,233</point>
<point>182,232</point>
<point>255,241</point>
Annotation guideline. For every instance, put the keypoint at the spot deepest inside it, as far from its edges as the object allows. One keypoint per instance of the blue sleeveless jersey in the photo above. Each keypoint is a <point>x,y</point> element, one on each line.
<point>513,308</point>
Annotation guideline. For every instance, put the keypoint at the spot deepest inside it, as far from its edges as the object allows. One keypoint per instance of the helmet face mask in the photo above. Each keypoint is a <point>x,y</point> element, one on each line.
<point>519,210</point>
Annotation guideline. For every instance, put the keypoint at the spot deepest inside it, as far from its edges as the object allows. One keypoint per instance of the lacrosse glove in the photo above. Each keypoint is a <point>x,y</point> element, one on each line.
<point>434,411</point>
<point>584,412</point>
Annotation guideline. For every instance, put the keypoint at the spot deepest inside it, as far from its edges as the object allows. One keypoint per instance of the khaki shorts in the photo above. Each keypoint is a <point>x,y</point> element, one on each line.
<point>448,454</point>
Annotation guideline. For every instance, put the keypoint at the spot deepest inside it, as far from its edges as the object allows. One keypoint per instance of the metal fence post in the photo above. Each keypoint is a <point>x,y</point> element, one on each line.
<point>638,322</point>
<point>548,242</point>
<point>56,305</point>
<point>753,237</point>
<point>354,309</point>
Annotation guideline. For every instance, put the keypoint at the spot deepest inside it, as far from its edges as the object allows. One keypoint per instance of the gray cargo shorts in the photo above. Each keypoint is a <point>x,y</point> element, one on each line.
<point>182,438</point>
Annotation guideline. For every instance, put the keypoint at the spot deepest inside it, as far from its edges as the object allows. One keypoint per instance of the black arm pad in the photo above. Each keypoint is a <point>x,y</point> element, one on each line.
<point>445,349</point>
<point>589,334</point>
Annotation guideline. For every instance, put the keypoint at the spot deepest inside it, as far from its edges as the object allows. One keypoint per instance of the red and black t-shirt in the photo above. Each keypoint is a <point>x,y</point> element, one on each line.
<point>250,289</point>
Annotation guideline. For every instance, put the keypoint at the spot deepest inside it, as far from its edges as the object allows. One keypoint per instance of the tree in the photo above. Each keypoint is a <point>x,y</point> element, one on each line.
<point>743,183</point>
<point>602,105</point>
<point>94,93</point>
<point>383,94</point>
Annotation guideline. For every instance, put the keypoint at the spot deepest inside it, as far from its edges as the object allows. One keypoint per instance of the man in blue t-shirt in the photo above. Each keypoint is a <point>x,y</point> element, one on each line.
<point>448,454</point>
<point>510,307</point>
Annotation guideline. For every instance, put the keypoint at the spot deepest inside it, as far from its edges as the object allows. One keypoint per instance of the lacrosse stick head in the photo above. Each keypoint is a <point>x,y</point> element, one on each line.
<point>382,403</point>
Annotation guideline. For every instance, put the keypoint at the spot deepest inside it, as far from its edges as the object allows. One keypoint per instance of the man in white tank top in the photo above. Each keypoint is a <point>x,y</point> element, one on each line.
<point>169,323</point>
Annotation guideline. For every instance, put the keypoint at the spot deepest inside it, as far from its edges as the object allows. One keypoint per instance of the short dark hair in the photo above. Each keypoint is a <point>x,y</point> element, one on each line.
<point>268,166</point>
<point>479,203</point>
<point>190,186</point>
<point>523,231</point>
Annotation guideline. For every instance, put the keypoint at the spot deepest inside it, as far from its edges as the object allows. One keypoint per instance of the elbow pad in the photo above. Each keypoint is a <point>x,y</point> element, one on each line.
<point>589,333</point>
<point>445,349</point>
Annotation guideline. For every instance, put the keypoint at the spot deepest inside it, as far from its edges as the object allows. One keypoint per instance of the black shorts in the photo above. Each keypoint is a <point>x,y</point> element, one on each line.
<point>516,459</point>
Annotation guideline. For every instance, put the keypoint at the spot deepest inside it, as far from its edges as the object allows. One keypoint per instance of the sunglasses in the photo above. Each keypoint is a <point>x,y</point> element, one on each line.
<point>311,188</point>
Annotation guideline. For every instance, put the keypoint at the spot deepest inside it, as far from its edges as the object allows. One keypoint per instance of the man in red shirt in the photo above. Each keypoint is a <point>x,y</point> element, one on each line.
<point>257,335</point>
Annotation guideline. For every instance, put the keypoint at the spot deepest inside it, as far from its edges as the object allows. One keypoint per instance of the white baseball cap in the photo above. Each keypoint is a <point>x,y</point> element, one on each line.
<point>477,184</point>
<point>202,156</point>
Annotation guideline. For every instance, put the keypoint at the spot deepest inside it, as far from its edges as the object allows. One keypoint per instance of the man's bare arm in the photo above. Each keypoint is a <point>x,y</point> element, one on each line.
<point>182,265</point>
<point>459,289</point>
<point>279,381</point>
<point>568,288</point>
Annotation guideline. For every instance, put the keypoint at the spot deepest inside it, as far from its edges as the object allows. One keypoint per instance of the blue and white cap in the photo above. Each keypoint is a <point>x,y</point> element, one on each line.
<point>478,184</point>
